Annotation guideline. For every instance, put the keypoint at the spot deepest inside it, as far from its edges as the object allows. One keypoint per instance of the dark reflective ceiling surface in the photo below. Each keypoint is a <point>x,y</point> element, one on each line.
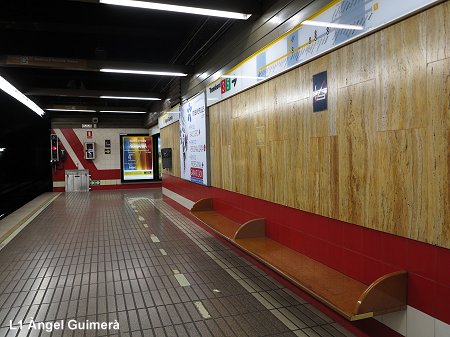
<point>96,34</point>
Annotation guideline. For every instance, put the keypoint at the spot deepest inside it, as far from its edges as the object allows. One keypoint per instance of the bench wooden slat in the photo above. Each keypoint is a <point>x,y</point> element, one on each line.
<point>349,297</point>
<point>218,222</point>
<point>322,282</point>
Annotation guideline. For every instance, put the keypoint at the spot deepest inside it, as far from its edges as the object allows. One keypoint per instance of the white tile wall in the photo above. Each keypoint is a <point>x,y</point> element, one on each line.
<point>107,161</point>
<point>419,324</point>
<point>415,323</point>
<point>178,198</point>
<point>441,329</point>
<point>396,321</point>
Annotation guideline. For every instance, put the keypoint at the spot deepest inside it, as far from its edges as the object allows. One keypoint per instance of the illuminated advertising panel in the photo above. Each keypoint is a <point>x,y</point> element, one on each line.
<point>194,140</point>
<point>136,157</point>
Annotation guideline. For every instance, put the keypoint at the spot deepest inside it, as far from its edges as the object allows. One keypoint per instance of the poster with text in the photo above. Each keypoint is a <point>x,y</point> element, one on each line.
<point>137,158</point>
<point>193,140</point>
<point>320,92</point>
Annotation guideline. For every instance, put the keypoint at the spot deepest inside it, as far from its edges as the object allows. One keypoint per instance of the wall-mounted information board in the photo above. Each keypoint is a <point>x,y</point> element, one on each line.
<point>136,157</point>
<point>306,42</point>
<point>194,140</point>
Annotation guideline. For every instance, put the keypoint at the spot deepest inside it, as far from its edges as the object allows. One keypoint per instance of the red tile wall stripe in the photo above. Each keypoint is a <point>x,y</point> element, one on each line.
<point>69,164</point>
<point>365,328</point>
<point>125,186</point>
<point>359,252</point>
<point>78,148</point>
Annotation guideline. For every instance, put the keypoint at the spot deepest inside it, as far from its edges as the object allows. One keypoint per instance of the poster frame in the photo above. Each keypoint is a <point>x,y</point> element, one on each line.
<point>121,159</point>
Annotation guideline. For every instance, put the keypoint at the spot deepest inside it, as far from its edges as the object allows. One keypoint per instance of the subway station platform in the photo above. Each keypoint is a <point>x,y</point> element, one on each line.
<point>129,257</point>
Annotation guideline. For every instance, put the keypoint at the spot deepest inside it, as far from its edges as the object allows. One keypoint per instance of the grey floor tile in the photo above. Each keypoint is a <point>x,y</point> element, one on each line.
<point>88,256</point>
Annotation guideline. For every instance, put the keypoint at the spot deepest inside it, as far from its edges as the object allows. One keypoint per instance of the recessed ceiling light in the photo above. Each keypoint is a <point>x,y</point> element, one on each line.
<point>129,97</point>
<point>12,91</point>
<point>124,111</point>
<point>75,110</point>
<point>178,9</point>
<point>141,72</point>
<point>331,25</point>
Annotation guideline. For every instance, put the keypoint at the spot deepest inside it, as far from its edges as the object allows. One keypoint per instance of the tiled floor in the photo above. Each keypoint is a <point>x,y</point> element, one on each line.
<point>128,256</point>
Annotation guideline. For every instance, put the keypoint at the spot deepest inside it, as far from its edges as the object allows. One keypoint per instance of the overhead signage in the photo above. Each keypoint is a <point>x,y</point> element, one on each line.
<point>303,43</point>
<point>169,117</point>
<point>136,157</point>
<point>193,140</point>
<point>49,62</point>
<point>320,92</point>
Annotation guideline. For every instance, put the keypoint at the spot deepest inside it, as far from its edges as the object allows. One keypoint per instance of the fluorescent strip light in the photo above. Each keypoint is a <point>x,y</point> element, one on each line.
<point>127,97</point>
<point>178,9</point>
<point>243,76</point>
<point>75,110</point>
<point>141,72</point>
<point>12,91</point>
<point>124,111</point>
<point>331,25</point>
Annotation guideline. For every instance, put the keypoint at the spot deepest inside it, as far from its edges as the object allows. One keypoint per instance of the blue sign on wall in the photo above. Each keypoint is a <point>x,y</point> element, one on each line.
<point>320,92</point>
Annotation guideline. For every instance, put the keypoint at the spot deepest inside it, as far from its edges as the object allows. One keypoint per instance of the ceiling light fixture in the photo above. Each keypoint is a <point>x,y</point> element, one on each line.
<point>75,110</point>
<point>12,91</point>
<point>2,149</point>
<point>142,72</point>
<point>331,25</point>
<point>175,8</point>
<point>129,97</point>
<point>124,111</point>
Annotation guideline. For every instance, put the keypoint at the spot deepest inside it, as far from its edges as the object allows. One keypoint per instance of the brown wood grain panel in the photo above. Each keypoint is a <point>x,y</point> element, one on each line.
<point>438,32</point>
<point>170,137</point>
<point>225,122</point>
<point>356,128</point>
<point>378,157</point>
<point>215,148</point>
<point>302,88</point>
<point>227,169</point>
<point>297,150</point>
<point>275,131</point>
<point>438,98</point>
<point>214,125</point>
<point>438,80</point>
<point>401,75</point>
<point>356,62</point>
<point>324,177</point>
<point>216,165</point>
<point>275,176</point>
<point>275,94</point>
<point>401,183</point>
<point>439,189</point>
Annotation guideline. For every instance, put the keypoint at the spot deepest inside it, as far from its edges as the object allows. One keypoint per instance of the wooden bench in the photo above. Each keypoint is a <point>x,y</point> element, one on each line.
<point>350,298</point>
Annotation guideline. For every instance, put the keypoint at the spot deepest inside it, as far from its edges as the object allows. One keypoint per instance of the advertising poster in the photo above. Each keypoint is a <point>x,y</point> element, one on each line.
<point>137,158</point>
<point>193,140</point>
<point>320,92</point>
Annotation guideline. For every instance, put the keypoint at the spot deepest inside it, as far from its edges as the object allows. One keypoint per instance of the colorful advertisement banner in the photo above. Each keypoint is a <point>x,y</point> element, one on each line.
<point>305,42</point>
<point>193,140</point>
<point>137,158</point>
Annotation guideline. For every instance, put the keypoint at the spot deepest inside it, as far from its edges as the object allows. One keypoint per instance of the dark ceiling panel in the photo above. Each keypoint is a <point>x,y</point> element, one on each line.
<point>95,32</point>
